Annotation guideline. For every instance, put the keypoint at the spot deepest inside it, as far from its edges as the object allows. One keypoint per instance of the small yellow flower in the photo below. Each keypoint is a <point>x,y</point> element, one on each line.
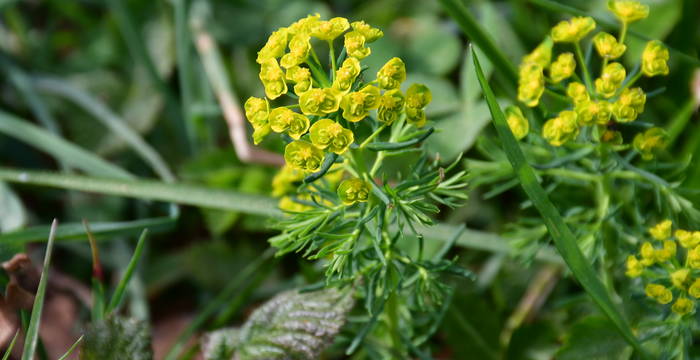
<point>680,278</point>
<point>573,30</point>
<point>284,182</point>
<point>650,142</point>
<point>301,77</point>
<point>345,75</point>
<point>257,111</point>
<point>542,55</point>
<point>329,29</point>
<point>418,96</point>
<point>563,67</point>
<point>648,254</point>
<point>353,190</point>
<point>577,92</point>
<point>628,10</point>
<point>634,267</point>
<point>356,105</point>
<point>659,293</point>
<point>517,123</point>
<point>593,112</point>
<point>694,257</point>
<point>629,105</point>
<point>662,230</point>
<point>694,289</point>
<point>371,34</point>
<point>530,84</point>
<point>667,252</point>
<point>683,306</point>
<point>304,26</point>
<point>392,74</point>
<point>687,239</point>
<point>610,80</point>
<point>303,155</point>
<point>655,59</point>
<point>391,104</point>
<point>274,47</point>
<point>299,47</point>
<point>320,102</point>
<point>561,129</point>
<point>355,45</point>
<point>272,78</point>
<point>284,120</point>
<point>327,133</point>
<point>607,46</point>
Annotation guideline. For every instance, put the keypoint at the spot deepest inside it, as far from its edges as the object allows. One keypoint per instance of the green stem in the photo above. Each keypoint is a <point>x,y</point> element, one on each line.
<point>374,135</point>
<point>394,326</point>
<point>623,33</point>
<point>332,55</point>
<point>630,83</point>
<point>584,68</point>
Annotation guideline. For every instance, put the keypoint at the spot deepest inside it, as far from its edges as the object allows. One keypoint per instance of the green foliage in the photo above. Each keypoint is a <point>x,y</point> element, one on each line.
<point>115,336</point>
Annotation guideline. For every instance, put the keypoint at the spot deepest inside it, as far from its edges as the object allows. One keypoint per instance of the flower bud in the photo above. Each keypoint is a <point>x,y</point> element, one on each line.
<point>667,252</point>
<point>628,10</point>
<point>659,293</point>
<point>577,92</point>
<point>530,84</point>
<point>561,129</point>
<point>517,123</point>
<point>610,80</point>
<point>542,55</point>
<point>662,230</point>
<point>648,253</point>
<point>353,190</point>
<point>607,46</point>
<point>392,74</point>
<point>257,111</point>
<point>563,67</point>
<point>650,142</point>
<point>694,289</point>
<point>655,59</point>
<point>327,133</point>
<point>683,306</point>
<point>629,105</point>
<point>573,30</point>
<point>680,277</point>
<point>634,267</point>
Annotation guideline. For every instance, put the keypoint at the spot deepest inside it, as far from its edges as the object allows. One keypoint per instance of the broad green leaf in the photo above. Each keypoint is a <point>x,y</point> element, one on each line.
<point>31,338</point>
<point>564,239</point>
<point>594,338</point>
<point>116,338</point>
<point>148,189</point>
<point>294,325</point>
<point>57,147</point>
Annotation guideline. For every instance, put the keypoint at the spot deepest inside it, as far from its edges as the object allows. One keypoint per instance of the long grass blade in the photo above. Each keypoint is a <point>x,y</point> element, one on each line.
<point>151,190</point>
<point>564,239</point>
<point>118,295</point>
<point>71,349</point>
<point>476,34</point>
<point>61,149</point>
<point>32,337</point>
<point>8,352</point>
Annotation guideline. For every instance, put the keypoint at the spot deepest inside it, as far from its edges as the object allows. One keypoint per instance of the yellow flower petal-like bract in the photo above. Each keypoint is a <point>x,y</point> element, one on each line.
<point>284,120</point>
<point>655,59</point>
<point>353,190</point>
<point>303,155</point>
<point>517,123</point>
<point>328,134</point>
<point>392,74</point>
<point>573,30</point>
<point>561,129</point>
<point>628,11</point>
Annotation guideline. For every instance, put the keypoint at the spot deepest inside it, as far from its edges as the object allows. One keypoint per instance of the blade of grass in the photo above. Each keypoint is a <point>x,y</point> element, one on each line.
<point>109,119</point>
<point>148,189</point>
<point>32,337</point>
<point>477,35</point>
<point>184,66</point>
<point>118,295</point>
<point>59,148</point>
<point>71,349</point>
<point>561,8</point>
<point>564,239</point>
<point>217,302</point>
<point>10,347</point>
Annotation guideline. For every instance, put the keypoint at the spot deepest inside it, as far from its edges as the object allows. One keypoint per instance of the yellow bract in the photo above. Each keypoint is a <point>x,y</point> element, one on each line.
<point>680,277</point>
<point>634,267</point>
<point>655,59</point>
<point>683,306</point>
<point>593,112</point>
<point>542,55</point>
<point>274,47</point>
<point>610,80</point>
<point>355,45</point>
<point>687,239</point>
<point>391,104</point>
<point>561,129</point>
<point>607,46</point>
<point>659,293</point>
<point>299,47</point>
<point>371,34</point>
<point>320,102</point>
<point>257,111</point>
<point>563,67</point>
<point>530,84</point>
<point>662,230</point>
<point>272,78</point>
<point>418,96</point>
<point>327,133</point>
<point>353,190</point>
<point>629,105</point>
<point>303,155</point>
<point>628,10</point>
<point>345,75</point>
<point>694,289</point>
<point>329,29</point>
<point>517,123</point>
<point>284,120</point>
<point>301,77</point>
<point>356,105</point>
<point>392,74</point>
<point>303,26</point>
<point>650,142</point>
<point>573,30</point>
<point>577,92</point>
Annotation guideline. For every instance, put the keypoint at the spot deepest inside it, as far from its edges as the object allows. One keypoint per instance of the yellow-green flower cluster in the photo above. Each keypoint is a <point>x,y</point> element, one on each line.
<point>599,102</point>
<point>668,275</point>
<point>327,105</point>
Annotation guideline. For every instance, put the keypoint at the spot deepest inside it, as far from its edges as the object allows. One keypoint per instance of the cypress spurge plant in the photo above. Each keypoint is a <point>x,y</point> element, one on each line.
<point>348,203</point>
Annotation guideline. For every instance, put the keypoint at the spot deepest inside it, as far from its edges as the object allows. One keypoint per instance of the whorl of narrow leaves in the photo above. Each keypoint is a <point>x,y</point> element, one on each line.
<point>290,326</point>
<point>114,338</point>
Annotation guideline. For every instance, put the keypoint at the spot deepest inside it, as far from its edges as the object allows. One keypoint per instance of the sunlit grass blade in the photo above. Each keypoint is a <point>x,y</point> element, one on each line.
<point>118,295</point>
<point>8,352</point>
<point>152,190</point>
<point>59,148</point>
<point>32,337</point>
<point>477,35</point>
<point>564,239</point>
<point>71,349</point>
<point>561,8</point>
<point>109,119</point>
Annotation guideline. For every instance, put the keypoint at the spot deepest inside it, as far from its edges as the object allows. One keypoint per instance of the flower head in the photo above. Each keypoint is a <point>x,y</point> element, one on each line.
<point>355,45</point>
<point>561,129</point>
<point>542,55</point>
<point>284,120</point>
<point>655,59</point>
<point>327,133</point>
<point>659,293</point>
<point>629,105</point>
<point>320,102</point>
<point>680,277</point>
<point>662,230</point>
<point>610,80</point>
<point>257,111</point>
<point>573,30</point>
<point>347,73</point>
<point>272,78</point>
<point>303,155</point>
<point>392,74</point>
<point>563,67</point>
<point>628,10</point>
<point>418,96</point>
<point>391,104</point>
<point>299,47</point>
<point>517,123</point>
<point>683,306</point>
<point>593,112</point>
<point>577,92</point>
<point>634,267</point>
<point>275,46</point>
<point>650,142</point>
<point>329,29</point>
<point>353,190</point>
<point>301,77</point>
<point>530,84</point>
<point>371,34</point>
<point>356,105</point>
<point>607,46</point>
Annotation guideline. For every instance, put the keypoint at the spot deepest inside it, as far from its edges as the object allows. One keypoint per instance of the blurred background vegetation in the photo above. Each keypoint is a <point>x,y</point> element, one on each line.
<point>74,68</point>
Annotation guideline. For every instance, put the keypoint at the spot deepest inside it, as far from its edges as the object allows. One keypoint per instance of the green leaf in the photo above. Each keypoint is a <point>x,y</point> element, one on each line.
<point>564,239</point>
<point>63,150</point>
<point>118,295</point>
<point>72,347</point>
<point>220,344</point>
<point>8,352</point>
<point>32,337</point>
<point>148,189</point>
<point>13,214</point>
<point>594,338</point>
<point>115,337</point>
<point>294,325</point>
